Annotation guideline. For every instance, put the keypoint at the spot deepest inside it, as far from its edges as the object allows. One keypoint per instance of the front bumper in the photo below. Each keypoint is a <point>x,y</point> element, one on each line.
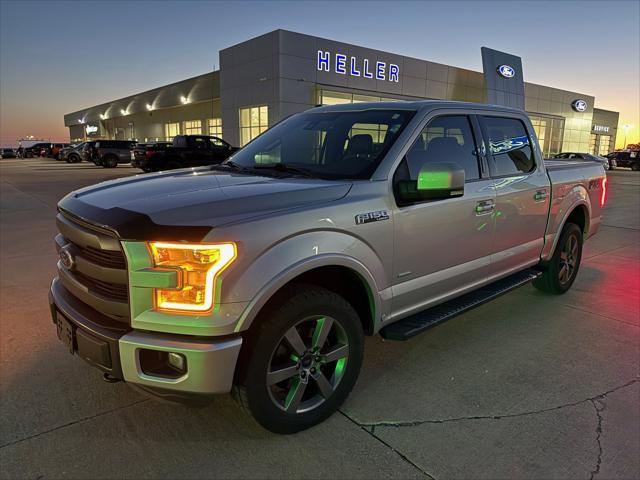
<point>114,348</point>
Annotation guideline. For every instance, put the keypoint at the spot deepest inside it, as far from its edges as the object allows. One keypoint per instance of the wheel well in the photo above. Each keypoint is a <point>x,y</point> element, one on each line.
<point>579,217</point>
<point>341,280</point>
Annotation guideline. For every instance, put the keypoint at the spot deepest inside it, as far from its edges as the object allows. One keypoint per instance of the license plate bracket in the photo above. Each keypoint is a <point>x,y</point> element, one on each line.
<point>66,332</point>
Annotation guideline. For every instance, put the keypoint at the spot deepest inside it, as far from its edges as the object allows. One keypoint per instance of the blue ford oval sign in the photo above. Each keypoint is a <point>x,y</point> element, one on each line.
<point>579,105</point>
<point>506,71</point>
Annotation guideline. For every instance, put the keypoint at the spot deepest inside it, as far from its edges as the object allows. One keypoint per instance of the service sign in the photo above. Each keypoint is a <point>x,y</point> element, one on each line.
<point>357,67</point>
<point>600,129</point>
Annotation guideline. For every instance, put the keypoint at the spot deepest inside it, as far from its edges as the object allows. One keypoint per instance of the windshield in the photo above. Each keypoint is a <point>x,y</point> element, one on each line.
<point>332,145</point>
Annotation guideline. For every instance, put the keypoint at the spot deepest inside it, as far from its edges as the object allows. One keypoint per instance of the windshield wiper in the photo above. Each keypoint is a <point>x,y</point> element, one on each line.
<point>231,164</point>
<point>287,168</point>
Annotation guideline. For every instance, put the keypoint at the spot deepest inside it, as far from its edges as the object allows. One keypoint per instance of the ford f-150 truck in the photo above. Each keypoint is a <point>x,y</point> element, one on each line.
<point>262,275</point>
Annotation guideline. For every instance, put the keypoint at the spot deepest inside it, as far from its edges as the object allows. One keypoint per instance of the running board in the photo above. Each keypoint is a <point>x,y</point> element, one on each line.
<point>411,326</point>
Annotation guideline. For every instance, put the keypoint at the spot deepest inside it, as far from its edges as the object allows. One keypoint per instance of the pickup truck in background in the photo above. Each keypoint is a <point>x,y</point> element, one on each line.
<point>184,151</point>
<point>263,274</point>
<point>139,153</point>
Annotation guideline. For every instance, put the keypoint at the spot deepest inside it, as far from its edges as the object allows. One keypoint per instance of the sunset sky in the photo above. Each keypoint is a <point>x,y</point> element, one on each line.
<point>58,57</point>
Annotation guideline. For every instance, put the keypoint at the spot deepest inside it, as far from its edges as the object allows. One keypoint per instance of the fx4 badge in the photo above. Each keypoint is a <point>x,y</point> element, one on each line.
<point>372,217</point>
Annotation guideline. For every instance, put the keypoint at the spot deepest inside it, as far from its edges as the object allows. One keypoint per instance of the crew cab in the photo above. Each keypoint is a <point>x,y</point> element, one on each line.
<point>185,151</point>
<point>263,274</point>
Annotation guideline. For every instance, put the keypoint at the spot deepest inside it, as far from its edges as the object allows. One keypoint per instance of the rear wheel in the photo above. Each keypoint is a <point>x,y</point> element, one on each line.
<point>110,161</point>
<point>561,271</point>
<point>301,361</point>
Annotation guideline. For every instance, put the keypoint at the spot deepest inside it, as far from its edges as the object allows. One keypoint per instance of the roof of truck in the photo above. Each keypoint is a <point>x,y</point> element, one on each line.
<point>414,105</point>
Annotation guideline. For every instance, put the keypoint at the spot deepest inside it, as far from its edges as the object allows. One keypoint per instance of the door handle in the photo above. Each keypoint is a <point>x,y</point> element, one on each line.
<point>541,196</point>
<point>485,206</point>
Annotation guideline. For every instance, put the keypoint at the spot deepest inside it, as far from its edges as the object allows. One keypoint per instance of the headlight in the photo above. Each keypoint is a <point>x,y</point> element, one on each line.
<point>198,267</point>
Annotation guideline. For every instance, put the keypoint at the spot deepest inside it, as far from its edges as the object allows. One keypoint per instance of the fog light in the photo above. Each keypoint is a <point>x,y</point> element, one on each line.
<point>158,363</point>
<point>177,361</point>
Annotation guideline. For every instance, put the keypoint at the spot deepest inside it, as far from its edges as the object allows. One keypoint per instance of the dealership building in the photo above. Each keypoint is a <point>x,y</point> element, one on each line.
<point>270,77</point>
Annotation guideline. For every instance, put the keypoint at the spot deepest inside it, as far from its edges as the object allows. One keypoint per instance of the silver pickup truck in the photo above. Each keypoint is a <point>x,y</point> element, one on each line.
<point>263,274</point>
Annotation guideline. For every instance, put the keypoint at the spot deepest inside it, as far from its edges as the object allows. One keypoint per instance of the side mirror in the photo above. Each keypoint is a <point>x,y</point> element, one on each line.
<point>435,181</point>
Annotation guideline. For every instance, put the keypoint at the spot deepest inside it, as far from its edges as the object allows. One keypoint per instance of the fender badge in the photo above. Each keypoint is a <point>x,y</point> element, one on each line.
<point>372,217</point>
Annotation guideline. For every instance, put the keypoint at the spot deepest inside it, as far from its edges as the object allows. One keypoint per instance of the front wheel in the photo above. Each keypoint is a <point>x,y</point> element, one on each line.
<point>560,272</point>
<point>301,361</point>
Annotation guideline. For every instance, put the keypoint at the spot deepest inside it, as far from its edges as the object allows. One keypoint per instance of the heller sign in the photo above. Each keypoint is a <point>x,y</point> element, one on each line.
<point>357,67</point>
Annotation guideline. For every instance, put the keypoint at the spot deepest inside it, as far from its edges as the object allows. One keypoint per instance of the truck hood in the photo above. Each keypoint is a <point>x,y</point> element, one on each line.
<point>148,207</point>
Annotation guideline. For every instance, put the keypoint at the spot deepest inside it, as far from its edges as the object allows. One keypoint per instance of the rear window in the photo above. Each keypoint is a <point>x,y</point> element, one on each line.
<point>510,146</point>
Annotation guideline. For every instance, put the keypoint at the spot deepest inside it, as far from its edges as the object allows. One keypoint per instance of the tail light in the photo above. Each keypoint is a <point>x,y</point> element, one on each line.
<point>603,198</point>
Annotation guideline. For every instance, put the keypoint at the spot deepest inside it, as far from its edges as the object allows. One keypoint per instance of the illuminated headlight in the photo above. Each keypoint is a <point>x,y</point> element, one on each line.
<point>198,266</point>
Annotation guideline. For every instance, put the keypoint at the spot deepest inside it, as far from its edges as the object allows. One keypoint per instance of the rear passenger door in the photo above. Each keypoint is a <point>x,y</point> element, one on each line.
<point>523,193</point>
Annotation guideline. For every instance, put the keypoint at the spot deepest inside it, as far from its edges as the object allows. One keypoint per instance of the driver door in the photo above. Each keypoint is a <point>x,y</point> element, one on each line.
<point>442,247</point>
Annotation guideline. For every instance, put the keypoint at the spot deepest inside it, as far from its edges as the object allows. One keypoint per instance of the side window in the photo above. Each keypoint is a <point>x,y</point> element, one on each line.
<point>510,146</point>
<point>447,139</point>
<point>200,143</point>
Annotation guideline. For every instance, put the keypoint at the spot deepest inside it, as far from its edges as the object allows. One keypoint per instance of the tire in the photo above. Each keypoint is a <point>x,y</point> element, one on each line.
<point>110,161</point>
<point>308,315</point>
<point>560,272</point>
<point>635,167</point>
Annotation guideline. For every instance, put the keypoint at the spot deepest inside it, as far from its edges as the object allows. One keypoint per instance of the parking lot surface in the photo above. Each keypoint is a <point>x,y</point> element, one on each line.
<point>527,386</point>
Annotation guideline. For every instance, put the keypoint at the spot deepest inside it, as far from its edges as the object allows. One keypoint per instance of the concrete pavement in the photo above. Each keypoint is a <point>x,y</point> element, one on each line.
<point>528,386</point>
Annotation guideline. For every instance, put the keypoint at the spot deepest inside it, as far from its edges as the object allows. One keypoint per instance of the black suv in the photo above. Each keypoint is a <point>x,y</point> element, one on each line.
<point>108,153</point>
<point>625,158</point>
<point>37,149</point>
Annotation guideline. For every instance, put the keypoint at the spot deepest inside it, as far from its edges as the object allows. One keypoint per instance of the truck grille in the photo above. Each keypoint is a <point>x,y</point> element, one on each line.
<point>104,258</point>
<point>114,291</point>
<point>92,266</point>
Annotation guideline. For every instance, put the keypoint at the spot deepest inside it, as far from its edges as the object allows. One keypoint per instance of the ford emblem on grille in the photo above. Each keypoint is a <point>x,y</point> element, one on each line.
<point>506,71</point>
<point>66,259</point>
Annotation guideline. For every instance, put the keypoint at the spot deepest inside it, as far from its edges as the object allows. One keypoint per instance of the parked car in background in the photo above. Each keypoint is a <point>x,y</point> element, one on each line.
<point>625,158</point>
<point>8,153</point>
<point>37,149</point>
<point>186,151</point>
<point>139,152</point>
<point>72,154</point>
<point>583,156</point>
<point>54,150</point>
<point>109,153</point>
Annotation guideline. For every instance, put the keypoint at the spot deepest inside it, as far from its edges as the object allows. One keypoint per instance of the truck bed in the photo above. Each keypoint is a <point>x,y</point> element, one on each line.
<point>571,180</point>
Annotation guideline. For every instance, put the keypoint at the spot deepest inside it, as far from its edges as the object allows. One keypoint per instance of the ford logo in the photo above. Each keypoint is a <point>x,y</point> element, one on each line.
<point>66,259</point>
<point>506,71</point>
<point>579,105</point>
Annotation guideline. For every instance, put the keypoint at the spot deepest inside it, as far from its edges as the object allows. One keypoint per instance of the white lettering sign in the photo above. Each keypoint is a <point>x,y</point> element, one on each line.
<point>357,67</point>
<point>91,129</point>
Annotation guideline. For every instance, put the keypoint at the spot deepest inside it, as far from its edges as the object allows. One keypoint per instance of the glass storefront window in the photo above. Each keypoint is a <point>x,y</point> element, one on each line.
<point>550,131</point>
<point>253,121</point>
<point>327,97</point>
<point>171,130</point>
<point>193,127</point>
<point>215,127</point>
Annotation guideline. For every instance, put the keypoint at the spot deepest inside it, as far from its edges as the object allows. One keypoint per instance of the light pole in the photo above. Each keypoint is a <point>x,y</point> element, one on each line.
<point>626,128</point>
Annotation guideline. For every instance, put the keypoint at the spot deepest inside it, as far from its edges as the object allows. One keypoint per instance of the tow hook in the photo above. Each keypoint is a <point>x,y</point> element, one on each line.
<point>109,379</point>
